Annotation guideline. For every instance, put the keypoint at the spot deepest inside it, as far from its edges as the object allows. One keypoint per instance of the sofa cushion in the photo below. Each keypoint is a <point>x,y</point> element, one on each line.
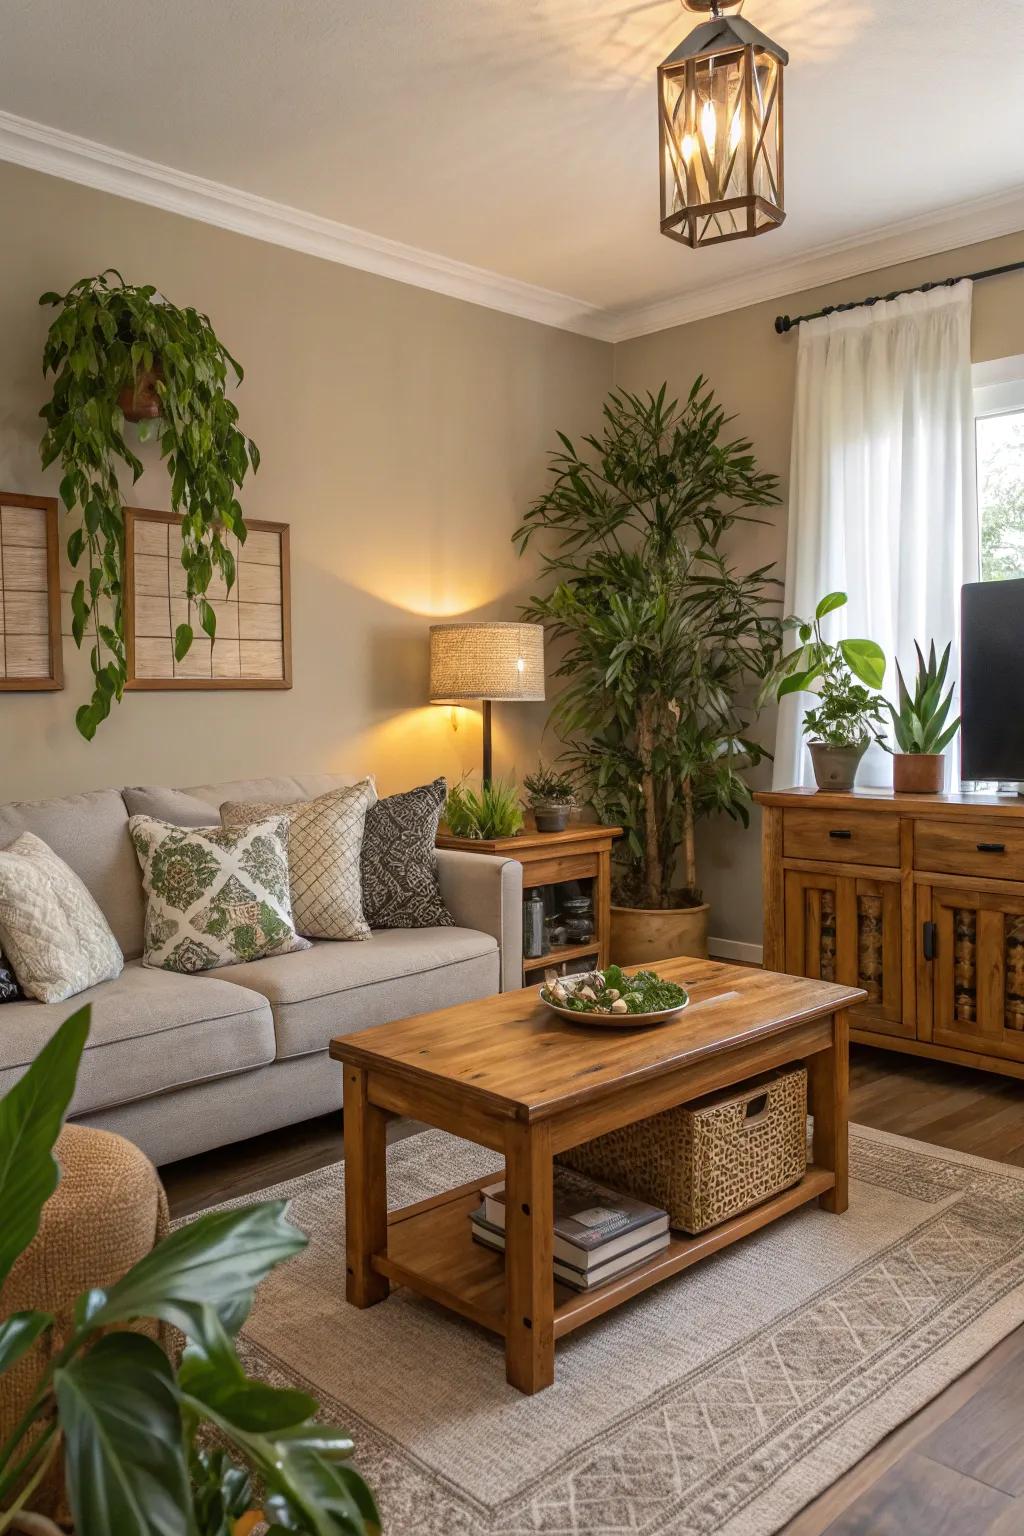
<point>151,1031</point>
<point>399,863</point>
<point>57,938</point>
<point>200,805</point>
<point>333,989</point>
<point>90,833</point>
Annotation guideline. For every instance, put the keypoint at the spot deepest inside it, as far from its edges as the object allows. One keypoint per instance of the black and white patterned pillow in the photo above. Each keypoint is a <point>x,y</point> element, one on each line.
<point>10,992</point>
<point>399,865</point>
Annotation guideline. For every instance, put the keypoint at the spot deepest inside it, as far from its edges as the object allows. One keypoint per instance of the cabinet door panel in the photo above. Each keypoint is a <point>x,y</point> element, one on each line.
<point>847,929</point>
<point>978,972</point>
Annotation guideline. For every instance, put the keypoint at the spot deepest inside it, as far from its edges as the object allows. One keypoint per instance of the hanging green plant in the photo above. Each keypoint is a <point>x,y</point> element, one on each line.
<point>121,353</point>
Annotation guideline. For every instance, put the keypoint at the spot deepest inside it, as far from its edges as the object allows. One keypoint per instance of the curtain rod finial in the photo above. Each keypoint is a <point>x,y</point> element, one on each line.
<point>782,324</point>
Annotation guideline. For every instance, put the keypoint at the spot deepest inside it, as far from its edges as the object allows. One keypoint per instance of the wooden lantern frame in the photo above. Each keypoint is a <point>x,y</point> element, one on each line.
<point>719,43</point>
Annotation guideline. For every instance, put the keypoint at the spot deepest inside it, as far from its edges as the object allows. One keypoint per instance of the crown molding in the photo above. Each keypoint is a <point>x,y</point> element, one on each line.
<point>56,153</point>
<point>888,245</point>
<point>39,147</point>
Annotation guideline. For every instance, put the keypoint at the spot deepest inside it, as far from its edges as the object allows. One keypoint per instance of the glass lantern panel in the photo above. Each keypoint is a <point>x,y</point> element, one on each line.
<point>767,138</point>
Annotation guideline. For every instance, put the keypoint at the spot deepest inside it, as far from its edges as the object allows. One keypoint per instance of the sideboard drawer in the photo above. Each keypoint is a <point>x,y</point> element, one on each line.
<point>992,848</point>
<point>854,837</point>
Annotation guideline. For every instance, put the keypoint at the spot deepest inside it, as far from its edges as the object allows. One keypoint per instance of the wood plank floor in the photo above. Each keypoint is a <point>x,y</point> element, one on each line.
<point>954,1469</point>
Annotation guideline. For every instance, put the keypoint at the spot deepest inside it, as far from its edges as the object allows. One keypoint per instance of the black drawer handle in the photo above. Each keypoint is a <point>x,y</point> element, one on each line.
<point>840,835</point>
<point>929,937</point>
<point>991,847</point>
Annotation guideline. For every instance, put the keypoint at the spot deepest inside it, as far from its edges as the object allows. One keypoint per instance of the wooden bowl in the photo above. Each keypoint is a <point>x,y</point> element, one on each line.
<point>612,1020</point>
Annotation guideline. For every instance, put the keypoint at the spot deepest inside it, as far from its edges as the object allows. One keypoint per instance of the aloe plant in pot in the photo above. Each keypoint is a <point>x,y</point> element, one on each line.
<point>551,795</point>
<point>919,725</point>
<point>663,640</point>
<point>849,712</point>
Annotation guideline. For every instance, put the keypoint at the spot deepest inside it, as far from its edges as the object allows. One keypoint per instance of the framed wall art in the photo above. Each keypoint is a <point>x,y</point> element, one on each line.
<point>252,648</point>
<point>30,639</point>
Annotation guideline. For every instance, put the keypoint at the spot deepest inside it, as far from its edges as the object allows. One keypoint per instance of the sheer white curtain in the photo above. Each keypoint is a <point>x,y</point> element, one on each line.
<point>882,499</point>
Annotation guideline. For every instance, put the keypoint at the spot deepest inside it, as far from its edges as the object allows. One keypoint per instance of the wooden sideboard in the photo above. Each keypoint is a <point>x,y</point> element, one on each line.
<point>919,899</point>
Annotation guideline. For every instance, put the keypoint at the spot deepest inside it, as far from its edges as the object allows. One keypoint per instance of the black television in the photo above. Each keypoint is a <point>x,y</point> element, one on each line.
<point>992,680</point>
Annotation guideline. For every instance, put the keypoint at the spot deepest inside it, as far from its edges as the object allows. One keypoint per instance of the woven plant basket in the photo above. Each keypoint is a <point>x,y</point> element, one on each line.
<point>706,1161</point>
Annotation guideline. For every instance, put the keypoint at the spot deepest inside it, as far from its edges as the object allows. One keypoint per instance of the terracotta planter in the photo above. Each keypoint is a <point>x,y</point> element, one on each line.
<point>644,935</point>
<point>552,815</point>
<point>918,773</point>
<point>835,768</point>
<point>140,402</point>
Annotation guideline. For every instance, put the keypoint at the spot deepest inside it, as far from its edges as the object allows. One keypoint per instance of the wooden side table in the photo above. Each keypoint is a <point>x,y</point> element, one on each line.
<point>582,852</point>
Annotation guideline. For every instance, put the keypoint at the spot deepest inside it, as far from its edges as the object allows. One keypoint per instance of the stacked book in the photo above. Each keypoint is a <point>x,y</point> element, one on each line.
<point>599,1234</point>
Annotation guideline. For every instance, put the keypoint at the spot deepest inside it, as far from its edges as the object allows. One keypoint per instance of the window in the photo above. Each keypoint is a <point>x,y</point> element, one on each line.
<point>999,435</point>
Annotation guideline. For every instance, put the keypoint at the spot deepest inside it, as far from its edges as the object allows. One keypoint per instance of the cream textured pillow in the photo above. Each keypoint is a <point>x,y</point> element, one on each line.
<point>325,840</point>
<point>214,895</point>
<point>51,930</point>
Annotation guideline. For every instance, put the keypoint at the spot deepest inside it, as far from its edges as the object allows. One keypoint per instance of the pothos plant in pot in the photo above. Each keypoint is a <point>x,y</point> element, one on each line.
<point>848,712</point>
<point>119,354</point>
<point>131,1427</point>
<point>663,641</point>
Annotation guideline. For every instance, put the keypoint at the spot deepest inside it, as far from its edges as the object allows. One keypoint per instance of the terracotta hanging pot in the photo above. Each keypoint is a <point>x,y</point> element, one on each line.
<point>140,401</point>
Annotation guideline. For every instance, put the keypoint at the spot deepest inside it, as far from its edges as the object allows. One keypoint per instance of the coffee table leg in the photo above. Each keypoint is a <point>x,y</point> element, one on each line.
<point>529,1277</point>
<point>829,1078</point>
<point>366,1192</point>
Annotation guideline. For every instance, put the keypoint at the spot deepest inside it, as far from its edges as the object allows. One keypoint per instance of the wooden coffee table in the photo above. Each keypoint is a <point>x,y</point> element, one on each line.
<point>508,1074</point>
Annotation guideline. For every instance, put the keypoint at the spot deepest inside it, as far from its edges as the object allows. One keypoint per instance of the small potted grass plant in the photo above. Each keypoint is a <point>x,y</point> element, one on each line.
<point>848,712</point>
<point>551,795</point>
<point>494,811</point>
<point>919,725</point>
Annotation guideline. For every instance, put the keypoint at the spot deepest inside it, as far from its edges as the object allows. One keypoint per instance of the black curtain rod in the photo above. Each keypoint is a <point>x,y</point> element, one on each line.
<point>783,323</point>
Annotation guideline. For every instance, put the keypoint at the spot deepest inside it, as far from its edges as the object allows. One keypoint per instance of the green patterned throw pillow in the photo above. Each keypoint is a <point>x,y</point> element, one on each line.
<point>214,895</point>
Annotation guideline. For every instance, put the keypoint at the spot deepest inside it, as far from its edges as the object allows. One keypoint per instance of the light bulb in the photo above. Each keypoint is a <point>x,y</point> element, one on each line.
<point>688,147</point>
<point>709,126</point>
<point>520,664</point>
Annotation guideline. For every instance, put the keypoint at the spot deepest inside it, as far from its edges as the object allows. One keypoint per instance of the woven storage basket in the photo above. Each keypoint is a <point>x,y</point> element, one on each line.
<point>706,1161</point>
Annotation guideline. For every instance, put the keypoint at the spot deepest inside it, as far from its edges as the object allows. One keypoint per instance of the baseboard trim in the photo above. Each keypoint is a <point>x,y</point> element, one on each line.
<point>733,949</point>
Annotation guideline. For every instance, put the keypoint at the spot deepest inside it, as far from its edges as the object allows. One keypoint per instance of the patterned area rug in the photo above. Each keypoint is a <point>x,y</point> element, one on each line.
<point>718,1402</point>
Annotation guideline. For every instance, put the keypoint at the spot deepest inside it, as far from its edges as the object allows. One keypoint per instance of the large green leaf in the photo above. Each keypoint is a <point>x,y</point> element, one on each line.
<point>18,1333</point>
<point>31,1116</point>
<point>124,1450</point>
<point>216,1261</point>
<point>212,1374</point>
<point>829,603</point>
<point>865,660</point>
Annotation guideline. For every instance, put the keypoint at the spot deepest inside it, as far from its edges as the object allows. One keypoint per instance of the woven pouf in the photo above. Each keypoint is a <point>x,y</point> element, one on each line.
<point>107,1212</point>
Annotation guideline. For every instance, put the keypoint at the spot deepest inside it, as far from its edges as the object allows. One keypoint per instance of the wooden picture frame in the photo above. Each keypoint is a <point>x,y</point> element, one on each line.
<point>31,657</point>
<point>253,646</point>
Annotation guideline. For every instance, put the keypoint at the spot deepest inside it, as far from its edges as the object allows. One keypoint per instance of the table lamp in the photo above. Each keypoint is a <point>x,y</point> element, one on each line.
<point>497,662</point>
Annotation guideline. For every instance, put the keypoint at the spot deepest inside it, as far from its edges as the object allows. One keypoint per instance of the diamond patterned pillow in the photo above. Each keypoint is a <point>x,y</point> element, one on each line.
<point>399,864</point>
<point>53,933</point>
<point>325,837</point>
<point>10,992</point>
<point>214,895</point>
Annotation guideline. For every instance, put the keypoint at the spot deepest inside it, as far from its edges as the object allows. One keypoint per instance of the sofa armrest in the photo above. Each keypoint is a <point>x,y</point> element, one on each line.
<point>486,892</point>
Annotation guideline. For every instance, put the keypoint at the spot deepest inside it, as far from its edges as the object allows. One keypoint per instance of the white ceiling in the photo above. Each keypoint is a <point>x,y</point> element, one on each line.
<point>520,136</point>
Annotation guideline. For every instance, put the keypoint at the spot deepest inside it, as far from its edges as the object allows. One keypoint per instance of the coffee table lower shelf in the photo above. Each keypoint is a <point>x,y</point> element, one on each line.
<point>431,1250</point>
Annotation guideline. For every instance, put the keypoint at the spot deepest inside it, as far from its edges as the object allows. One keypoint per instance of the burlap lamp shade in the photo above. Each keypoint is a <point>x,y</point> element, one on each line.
<point>496,661</point>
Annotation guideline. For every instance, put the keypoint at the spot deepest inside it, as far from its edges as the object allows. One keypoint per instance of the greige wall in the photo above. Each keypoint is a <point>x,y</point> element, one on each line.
<point>403,434</point>
<point>753,371</point>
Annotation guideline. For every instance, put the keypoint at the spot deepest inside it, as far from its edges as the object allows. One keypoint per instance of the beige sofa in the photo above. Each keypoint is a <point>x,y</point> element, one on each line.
<point>179,1064</point>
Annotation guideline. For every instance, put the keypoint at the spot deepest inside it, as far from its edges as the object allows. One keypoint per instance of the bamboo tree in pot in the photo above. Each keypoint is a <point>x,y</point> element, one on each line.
<point>919,725</point>
<point>121,353</point>
<point>845,677</point>
<point>662,637</point>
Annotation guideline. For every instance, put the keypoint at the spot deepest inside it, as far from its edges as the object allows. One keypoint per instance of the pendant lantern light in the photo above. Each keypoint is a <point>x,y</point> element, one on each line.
<point>720,128</point>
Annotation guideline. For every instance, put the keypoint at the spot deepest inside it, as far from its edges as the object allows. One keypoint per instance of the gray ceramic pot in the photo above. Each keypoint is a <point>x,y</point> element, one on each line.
<point>552,815</point>
<point>835,768</point>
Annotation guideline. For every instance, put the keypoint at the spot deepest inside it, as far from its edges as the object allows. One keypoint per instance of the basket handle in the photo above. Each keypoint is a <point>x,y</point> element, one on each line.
<point>755,1110</point>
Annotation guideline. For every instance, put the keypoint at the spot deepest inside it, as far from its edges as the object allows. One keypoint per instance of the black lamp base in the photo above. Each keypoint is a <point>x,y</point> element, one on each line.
<point>488,757</point>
